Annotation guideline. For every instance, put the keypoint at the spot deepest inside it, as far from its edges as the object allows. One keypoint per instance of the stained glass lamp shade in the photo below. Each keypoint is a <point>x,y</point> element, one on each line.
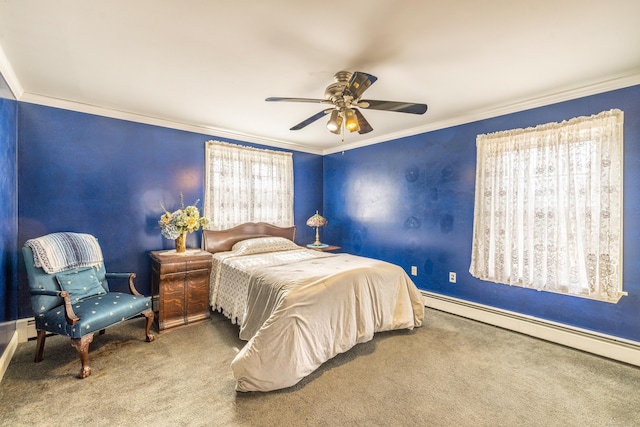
<point>317,221</point>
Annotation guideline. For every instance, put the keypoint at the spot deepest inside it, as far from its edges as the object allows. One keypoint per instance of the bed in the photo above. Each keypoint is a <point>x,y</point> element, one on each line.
<point>298,307</point>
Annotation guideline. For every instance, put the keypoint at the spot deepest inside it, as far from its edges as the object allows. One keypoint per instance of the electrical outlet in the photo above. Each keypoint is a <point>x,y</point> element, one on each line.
<point>452,277</point>
<point>414,270</point>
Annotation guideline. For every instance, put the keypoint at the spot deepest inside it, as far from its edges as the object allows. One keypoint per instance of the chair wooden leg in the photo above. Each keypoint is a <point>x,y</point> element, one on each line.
<point>82,348</point>
<point>150,316</point>
<point>42,335</point>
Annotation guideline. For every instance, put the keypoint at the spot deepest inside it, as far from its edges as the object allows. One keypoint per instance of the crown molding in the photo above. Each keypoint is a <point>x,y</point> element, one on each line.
<point>155,121</point>
<point>6,72</point>
<point>486,113</point>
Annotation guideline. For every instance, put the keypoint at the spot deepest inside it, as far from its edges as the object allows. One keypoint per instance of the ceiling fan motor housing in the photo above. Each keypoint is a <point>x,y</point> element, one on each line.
<point>335,91</point>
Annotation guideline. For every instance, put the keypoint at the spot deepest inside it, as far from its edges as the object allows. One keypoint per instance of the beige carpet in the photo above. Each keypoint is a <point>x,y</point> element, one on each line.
<point>451,372</point>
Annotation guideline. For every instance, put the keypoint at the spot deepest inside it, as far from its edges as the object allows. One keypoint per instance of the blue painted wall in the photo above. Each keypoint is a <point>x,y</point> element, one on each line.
<point>107,177</point>
<point>8,219</point>
<point>8,209</point>
<point>410,201</point>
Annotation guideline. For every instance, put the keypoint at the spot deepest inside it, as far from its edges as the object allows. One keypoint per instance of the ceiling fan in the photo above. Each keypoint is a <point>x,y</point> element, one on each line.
<point>344,95</point>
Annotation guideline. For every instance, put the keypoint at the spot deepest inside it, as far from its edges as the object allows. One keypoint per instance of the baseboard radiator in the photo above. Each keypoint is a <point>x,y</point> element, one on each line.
<point>26,329</point>
<point>626,351</point>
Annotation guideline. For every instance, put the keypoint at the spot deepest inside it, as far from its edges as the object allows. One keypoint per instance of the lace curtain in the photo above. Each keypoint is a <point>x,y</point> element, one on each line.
<point>245,184</point>
<point>548,207</point>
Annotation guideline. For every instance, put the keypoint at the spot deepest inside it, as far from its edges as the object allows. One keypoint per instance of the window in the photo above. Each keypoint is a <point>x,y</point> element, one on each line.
<point>548,207</point>
<point>245,184</point>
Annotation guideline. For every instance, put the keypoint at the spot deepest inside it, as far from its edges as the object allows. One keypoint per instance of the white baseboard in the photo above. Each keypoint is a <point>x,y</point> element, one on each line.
<point>609,346</point>
<point>5,357</point>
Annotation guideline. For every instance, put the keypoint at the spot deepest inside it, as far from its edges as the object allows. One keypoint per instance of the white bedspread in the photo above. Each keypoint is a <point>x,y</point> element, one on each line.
<point>231,272</point>
<point>301,314</point>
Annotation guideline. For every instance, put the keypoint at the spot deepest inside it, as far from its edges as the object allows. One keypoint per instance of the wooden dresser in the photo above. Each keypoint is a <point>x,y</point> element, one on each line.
<point>181,284</point>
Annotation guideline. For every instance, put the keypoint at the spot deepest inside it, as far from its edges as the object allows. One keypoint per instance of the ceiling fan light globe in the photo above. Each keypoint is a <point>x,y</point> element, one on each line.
<point>351,122</point>
<point>335,121</point>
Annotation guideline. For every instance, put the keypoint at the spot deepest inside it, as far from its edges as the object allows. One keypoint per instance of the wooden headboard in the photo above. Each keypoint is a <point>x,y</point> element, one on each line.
<point>223,240</point>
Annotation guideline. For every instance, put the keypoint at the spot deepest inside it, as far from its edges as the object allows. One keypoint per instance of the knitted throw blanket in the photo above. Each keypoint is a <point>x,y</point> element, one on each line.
<point>62,251</point>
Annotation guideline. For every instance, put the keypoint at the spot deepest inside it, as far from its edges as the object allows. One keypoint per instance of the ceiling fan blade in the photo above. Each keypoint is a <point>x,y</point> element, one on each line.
<point>311,100</point>
<point>399,107</point>
<point>363,124</point>
<point>358,83</point>
<point>311,119</point>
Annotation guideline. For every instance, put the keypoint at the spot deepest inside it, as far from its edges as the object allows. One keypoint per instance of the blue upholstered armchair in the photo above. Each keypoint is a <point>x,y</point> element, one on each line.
<point>70,293</point>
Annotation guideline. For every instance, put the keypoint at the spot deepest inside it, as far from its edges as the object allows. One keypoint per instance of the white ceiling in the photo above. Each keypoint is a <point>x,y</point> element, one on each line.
<point>207,66</point>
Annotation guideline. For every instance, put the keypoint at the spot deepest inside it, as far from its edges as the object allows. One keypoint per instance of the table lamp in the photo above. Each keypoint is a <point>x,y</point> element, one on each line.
<point>317,221</point>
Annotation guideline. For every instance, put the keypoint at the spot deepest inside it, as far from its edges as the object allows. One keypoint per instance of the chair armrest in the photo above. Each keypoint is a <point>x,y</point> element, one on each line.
<point>69,314</point>
<point>118,275</point>
<point>47,292</point>
<point>130,276</point>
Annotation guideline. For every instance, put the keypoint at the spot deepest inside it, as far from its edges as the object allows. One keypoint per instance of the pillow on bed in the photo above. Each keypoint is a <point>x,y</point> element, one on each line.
<point>263,244</point>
